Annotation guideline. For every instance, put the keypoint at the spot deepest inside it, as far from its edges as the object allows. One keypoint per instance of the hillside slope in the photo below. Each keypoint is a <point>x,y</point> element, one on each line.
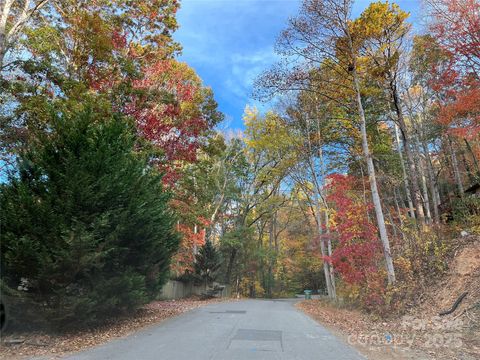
<point>421,333</point>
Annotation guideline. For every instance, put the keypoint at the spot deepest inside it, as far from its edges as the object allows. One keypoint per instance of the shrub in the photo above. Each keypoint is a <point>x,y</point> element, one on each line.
<point>466,212</point>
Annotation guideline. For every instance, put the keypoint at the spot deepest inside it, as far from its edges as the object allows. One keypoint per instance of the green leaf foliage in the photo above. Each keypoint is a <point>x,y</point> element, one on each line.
<point>208,262</point>
<point>85,221</point>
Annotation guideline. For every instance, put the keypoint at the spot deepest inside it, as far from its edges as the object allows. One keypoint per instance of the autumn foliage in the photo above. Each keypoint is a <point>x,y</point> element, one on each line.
<point>371,150</point>
<point>357,251</point>
<point>165,106</point>
<point>455,26</point>
<point>184,260</point>
<point>462,115</point>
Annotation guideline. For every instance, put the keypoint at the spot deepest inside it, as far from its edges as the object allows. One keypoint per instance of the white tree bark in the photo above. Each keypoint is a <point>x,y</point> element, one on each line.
<point>371,172</point>
<point>323,250</point>
<point>412,171</point>
<point>456,171</point>
<point>327,218</point>
<point>10,34</point>
<point>432,184</point>
<point>404,172</point>
<point>373,186</point>
<point>423,179</point>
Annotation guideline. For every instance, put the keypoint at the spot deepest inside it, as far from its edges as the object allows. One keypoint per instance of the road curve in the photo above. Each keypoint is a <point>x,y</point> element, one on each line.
<point>237,330</point>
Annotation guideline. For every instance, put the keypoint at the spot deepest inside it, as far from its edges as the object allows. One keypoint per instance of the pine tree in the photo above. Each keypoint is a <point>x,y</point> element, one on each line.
<point>85,220</point>
<point>207,263</point>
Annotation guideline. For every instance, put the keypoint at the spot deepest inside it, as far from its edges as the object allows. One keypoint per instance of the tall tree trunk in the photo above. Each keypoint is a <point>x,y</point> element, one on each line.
<point>10,32</point>
<point>195,247</point>
<point>432,183</point>
<point>404,173</point>
<point>371,173</point>
<point>327,219</point>
<point>399,212</point>
<point>261,228</point>
<point>367,212</point>
<point>397,206</point>
<point>329,249</point>
<point>421,168</point>
<point>326,268</point>
<point>271,240</point>
<point>231,260</point>
<point>426,197</point>
<point>456,171</point>
<point>5,7</point>
<point>416,195</point>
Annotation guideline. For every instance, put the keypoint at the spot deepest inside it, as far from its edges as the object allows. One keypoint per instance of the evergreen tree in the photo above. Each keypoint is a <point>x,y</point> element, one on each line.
<point>207,263</point>
<point>85,220</point>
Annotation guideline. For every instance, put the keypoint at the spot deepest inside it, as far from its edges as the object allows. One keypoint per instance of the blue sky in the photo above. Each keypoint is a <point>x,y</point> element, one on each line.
<point>229,42</point>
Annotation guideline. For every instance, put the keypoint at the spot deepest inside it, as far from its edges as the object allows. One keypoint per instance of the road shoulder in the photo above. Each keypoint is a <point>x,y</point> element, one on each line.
<point>358,331</point>
<point>18,345</point>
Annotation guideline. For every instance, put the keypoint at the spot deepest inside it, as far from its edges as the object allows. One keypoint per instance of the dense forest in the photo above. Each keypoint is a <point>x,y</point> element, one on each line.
<point>116,177</point>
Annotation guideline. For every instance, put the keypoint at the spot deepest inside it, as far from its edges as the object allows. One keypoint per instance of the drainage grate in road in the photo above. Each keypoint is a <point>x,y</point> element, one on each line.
<point>257,340</point>
<point>228,312</point>
<point>258,335</point>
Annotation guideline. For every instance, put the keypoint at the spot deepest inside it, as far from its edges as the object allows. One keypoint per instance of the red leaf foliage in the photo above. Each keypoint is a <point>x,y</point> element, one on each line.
<point>462,115</point>
<point>455,24</point>
<point>167,112</point>
<point>356,255</point>
<point>184,259</point>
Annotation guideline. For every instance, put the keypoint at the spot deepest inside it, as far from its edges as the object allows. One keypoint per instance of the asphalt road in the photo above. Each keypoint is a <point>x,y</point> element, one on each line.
<point>242,330</point>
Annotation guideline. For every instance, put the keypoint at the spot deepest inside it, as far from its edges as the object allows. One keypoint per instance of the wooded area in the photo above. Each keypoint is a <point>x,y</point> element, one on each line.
<point>116,177</point>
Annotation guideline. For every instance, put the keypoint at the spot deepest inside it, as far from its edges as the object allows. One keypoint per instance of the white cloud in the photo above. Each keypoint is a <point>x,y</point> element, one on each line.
<point>230,42</point>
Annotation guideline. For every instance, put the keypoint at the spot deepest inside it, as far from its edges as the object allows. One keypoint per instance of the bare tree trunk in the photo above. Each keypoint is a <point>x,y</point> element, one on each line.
<point>5,7</point>
<point>271,241</point>
<point>270,260</point>
<point>195,247</point>
<point>399,213</point>
<point>404,172</point>
<point>10,33</point>
<point>326,268</point>
<point>417,197</point>
<point>240,221</point>
<point>426,197</point>
<point>432,183</point>
<point>367,212</point>
<point>397,206</point>
<point>231,260</point>
<point>421,168</point>
<point>371,173</point>
<point>437,196</point>
<point>456,172</point>
<point>327,219</point>
<point>329,249</point>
